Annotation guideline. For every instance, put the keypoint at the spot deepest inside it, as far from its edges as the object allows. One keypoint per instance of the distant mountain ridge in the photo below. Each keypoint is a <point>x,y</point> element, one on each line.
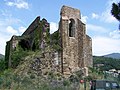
<point>113,55</point>
<point>1,56</point>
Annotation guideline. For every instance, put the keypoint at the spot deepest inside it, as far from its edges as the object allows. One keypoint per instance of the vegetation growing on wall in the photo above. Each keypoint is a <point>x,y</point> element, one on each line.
<point>2,65</point>
<point>17,50</point>
<point>47,38</point>
<point>36,41</point>
<point>7,53</point>
<point>17,56</point>
<point>24,43</point>
<point>55,40</point>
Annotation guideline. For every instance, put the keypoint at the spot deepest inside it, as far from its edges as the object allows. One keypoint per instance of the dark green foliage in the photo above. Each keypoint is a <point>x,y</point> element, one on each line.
<point>55,40</point>
<point>55,37</point>
<point>116,11</point>
<point>25,45</point>
<point>57,47</point>
<point>73,78</point>
<point>104,63</point>
<point>51,75</point>
<point>1,56</point>
<point>88,78</point>
<point>79,74</point>
<point>2,65</point>
<point>40,34</point>
<point>37,37</point>
<point>66,82</point>
<point>7,54</point>
<point>12,81</point>
<point>6,79</point>
<point>47,38</point>
<point>32,76</point>
<point>17,56</point>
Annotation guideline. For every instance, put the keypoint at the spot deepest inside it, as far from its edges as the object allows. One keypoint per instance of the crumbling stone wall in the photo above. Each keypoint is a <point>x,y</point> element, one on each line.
<point>37,32</point>
<point>77,48</point>
<point>34,38</point>
<point>88,52</point>
<point>10,47</point>
<point>32,27</point>
<point>71,48</point>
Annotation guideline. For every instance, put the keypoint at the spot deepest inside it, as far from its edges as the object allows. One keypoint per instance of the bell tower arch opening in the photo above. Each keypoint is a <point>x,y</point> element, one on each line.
<point>71,28</point>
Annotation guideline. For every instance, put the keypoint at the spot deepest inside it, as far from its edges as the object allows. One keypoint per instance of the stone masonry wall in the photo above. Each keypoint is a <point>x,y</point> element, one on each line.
<point>70,12</point>
<point>32,27</point>
<point>77,49</point>
<point>81,36</point>
<point>69,44</point>
<point>33,38</point>
<point>76,46</point>
<point>88,52</point>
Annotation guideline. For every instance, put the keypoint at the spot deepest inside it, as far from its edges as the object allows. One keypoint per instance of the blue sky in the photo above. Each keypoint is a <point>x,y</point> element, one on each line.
<point>16,16</point>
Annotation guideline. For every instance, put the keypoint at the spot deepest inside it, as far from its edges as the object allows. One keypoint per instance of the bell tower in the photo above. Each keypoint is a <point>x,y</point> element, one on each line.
<point>73,36</point>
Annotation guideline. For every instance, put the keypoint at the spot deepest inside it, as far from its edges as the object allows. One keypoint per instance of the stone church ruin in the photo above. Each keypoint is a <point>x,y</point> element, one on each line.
<point>69,47</point>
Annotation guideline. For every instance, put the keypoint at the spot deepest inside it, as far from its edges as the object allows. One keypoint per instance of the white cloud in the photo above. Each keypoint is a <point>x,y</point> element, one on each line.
<point>95,28</point>
<point>11,30</point>
<point>106,15</point>
<point>115,34</point>
<point>53,27</point>
<point>2,45</point>
<point>9,26</point>
<point>21,29</point>
<point>19,4</point>
<point>5,36</point>
<point>101,43</point>
<point>5,13</point>
<point>3,39</point>
<point>8,21</point>
<point>105,45</point>
<point>7,30</point>
<point>84,19</point>
<point>10,4</point>
<point>95,16</point>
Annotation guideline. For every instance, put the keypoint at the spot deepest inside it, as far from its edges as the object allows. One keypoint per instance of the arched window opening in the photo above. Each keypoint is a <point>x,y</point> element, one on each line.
<point>25,45</point>
<point>72,28</point>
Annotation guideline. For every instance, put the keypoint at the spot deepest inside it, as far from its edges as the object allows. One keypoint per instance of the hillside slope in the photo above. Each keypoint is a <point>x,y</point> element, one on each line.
<point>105,63</point>
<point>1,56</point>
<point>113,55</point>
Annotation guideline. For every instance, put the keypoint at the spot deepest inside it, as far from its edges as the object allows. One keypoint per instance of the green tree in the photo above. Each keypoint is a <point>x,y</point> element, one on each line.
<point>2,65</point>
<point>116,11</point>
<point>18,56</point>
<point>104,63</point>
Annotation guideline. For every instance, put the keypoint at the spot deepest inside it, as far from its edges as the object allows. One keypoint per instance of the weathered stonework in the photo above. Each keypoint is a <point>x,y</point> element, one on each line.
<point>77,46</point>
<point>11,46</point>
<point>34,38</point>
<point>66,51</point>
